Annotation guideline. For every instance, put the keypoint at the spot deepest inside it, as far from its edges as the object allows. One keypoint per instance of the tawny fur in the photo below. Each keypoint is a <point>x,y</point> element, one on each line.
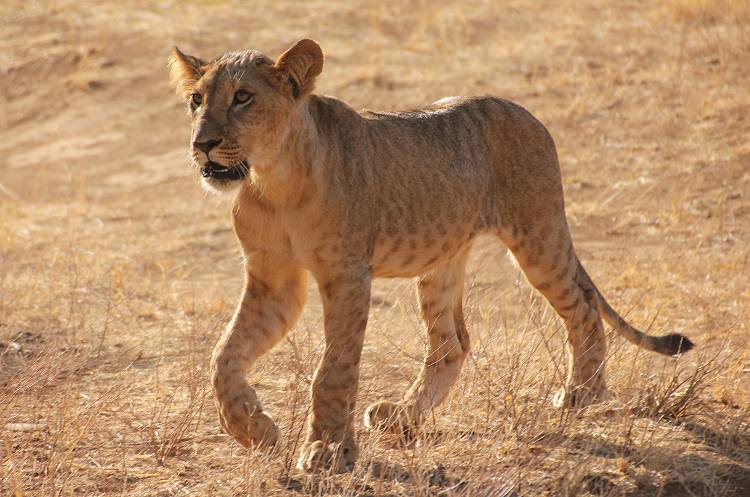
<point>350,196</point>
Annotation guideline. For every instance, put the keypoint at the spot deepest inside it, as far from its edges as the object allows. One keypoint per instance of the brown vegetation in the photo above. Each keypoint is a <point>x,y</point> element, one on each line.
<point>117,275</point>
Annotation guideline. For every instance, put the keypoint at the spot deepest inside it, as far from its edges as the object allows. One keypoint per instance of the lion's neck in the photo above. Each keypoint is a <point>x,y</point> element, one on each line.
<point>298,168</point>
<point>282,178</point>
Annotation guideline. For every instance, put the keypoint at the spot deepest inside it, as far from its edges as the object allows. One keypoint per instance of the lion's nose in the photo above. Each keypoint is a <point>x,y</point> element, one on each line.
<point>207,145</point>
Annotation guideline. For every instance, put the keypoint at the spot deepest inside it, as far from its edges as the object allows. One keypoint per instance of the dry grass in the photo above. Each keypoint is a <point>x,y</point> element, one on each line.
<point>116,276</point>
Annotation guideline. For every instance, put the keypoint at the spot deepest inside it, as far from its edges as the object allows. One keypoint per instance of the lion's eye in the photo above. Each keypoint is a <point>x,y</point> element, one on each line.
<point>242,97</point>
<point>196,99</point>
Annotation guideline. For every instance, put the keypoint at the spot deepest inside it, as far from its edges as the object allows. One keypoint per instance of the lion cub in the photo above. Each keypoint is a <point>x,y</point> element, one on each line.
<point>349,197</point>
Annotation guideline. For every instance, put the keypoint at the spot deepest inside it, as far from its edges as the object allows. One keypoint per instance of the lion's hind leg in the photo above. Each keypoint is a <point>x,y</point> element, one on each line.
<point>547,257</point>
<point>440,293</point>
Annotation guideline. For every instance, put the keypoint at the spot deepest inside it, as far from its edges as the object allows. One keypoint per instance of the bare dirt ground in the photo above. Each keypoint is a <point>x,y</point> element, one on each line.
<point>117,274</point>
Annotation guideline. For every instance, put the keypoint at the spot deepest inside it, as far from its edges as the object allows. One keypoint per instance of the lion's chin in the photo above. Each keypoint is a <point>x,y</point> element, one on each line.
<point>220,186</point>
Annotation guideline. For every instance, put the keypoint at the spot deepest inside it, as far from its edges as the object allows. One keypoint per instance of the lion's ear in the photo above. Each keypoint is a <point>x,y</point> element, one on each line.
<point>184,70</point>
<point>302,63</point>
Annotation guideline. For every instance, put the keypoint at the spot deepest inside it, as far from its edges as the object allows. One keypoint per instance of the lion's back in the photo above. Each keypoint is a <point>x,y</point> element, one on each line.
<point>462,146</point>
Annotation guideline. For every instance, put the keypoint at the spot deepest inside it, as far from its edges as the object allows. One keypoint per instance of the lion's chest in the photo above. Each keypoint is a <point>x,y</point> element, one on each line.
<point>260,228</point>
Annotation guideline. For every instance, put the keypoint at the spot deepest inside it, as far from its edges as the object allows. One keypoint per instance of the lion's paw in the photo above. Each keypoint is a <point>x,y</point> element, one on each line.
<point>337,457</point>
<point>573,398</point>
<point>248,425</point>
<point>390,417</point>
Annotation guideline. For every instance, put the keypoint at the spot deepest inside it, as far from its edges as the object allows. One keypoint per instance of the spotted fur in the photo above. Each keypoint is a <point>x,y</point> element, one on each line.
<point>349,197</point>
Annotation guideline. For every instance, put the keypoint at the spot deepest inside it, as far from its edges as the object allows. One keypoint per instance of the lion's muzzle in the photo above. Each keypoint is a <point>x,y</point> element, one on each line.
<point>217,171</point>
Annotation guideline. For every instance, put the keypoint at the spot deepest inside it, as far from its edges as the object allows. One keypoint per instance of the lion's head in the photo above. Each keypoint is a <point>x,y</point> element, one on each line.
<point>241,106</point>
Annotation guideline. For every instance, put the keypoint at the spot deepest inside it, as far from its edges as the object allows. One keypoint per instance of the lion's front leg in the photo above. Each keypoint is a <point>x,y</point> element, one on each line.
<point>274,295</point>
<point>330,440</point>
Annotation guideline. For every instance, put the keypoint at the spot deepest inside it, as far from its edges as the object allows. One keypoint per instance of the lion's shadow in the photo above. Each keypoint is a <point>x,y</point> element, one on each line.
<point>376,471</point>
<point>731,470</point>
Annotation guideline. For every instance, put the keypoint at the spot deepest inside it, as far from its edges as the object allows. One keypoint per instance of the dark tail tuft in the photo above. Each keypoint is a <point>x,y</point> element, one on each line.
<point>674,344</point>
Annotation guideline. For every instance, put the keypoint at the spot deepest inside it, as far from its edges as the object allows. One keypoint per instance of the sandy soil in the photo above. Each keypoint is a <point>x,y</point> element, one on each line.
<point>117,273</point>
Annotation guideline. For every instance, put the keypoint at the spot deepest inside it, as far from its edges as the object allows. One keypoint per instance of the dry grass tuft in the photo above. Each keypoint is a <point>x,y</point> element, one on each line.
<point>709,11</point>
<point>116,275</point>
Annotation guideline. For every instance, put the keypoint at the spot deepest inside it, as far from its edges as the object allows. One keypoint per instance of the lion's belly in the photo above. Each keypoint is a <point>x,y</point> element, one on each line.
<point>420,229</point>
<point>411,255</point>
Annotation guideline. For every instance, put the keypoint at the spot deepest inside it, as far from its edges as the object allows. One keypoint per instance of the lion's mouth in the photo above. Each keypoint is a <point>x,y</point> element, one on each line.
<point>217,171</point>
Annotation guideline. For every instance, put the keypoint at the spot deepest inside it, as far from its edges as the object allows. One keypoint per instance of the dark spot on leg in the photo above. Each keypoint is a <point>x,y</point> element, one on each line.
<point>562,274</point>
<point>564,294</point>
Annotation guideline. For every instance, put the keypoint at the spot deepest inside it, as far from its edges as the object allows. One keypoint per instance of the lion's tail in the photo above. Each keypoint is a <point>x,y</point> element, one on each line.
<point>672,344</point>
